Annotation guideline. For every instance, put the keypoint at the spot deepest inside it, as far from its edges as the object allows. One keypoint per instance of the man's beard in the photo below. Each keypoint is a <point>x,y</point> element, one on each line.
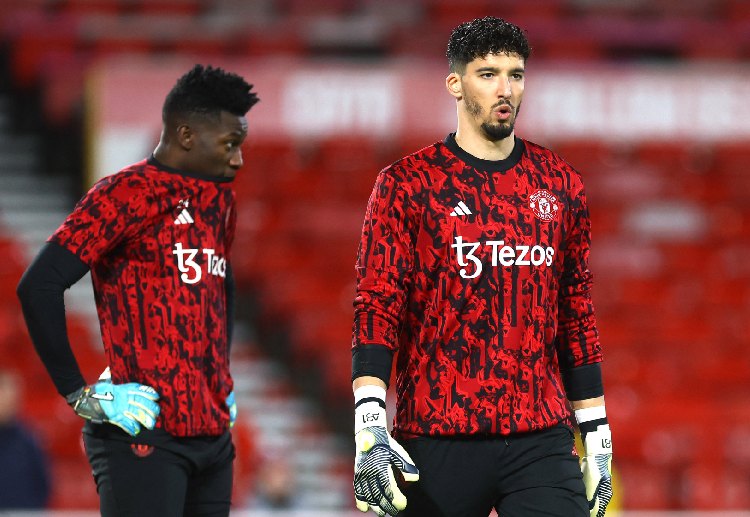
<point>493,131</point>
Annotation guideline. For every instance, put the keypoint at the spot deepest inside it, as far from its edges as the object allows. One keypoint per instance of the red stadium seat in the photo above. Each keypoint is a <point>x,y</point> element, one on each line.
<point>33,36</point>
<point>73,486</point>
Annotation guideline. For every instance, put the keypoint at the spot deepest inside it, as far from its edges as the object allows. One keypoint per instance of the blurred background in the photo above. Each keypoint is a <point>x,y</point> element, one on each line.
<point>647,98</point>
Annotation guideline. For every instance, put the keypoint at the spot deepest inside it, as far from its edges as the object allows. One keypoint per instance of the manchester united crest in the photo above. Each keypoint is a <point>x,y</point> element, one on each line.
<point>544,205</point>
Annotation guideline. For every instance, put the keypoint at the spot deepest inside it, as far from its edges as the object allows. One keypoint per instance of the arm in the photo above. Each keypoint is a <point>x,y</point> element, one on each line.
<point>41,292</point>
<point>229,287</point>
<point>367,380</point>
<point>383,268</point>
<point>579,354</point>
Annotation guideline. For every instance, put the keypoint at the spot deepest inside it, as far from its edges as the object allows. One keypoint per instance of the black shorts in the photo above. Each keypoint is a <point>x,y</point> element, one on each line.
<point>156,474</point>
<point>525,475</point>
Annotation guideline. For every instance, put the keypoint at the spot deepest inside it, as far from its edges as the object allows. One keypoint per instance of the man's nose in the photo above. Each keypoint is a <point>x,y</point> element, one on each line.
<point>503,87</point>
<point>236,160</point>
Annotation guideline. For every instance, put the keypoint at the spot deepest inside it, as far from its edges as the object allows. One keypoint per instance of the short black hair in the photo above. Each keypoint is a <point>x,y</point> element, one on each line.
<point>483,36</point>
<point>207,90</point>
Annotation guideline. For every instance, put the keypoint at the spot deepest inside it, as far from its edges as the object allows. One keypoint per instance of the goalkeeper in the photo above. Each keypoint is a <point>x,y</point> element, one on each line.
<point>156,237</point>
<point>473,266</point>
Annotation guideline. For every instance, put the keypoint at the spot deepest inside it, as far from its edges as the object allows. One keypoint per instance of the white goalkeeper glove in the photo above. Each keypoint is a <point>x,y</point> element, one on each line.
<point>377,453</point>
<point>596,464</point>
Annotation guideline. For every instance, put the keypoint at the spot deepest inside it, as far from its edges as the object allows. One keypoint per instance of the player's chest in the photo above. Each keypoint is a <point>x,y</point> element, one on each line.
<point>505,208</point>
<point>191,219</point>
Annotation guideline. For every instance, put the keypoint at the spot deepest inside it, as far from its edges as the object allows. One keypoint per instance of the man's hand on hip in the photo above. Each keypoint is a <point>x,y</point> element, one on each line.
<point>129,406</point>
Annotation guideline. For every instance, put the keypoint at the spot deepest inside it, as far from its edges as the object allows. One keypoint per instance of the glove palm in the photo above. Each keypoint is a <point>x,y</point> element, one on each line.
<point>129,406</point>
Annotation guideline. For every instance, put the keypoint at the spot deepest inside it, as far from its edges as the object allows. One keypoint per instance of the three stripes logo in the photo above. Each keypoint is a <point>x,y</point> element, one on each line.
<point>461,209</point>
<point>183,216</point>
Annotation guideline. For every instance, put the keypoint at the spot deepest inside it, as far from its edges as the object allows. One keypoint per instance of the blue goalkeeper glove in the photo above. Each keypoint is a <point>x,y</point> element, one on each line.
<point>232,405</point>
<point>377,453</point>
<point>129,406</point>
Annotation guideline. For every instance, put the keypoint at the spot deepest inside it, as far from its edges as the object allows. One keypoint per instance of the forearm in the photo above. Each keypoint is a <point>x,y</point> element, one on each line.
<point>368,380</point>
<point>585,392</point>
<point>587,403</point>
<point>229,289</point>
<point>41,293</point>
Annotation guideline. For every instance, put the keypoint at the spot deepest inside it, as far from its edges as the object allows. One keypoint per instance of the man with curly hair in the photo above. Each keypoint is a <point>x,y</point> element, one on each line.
<point>473,266</point>
<point>156,237</point>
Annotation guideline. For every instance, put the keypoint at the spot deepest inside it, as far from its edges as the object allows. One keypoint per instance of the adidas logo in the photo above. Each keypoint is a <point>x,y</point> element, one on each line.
<point>461,209</point>
<point>184,217</point>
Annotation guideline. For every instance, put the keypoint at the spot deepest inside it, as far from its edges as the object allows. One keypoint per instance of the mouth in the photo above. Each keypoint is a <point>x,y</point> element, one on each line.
<point>503,111</point>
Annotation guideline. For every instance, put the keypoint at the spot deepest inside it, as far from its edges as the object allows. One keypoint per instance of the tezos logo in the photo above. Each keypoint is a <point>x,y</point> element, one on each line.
<point>191,270</point>
<point>544,205</point>
<point>501,255</point>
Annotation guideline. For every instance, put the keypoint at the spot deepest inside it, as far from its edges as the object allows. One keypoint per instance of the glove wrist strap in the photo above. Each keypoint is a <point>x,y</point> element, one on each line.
<point>589,419</point>
<point>369,407</point>
<point>85,406</point>
<point>595,433</point>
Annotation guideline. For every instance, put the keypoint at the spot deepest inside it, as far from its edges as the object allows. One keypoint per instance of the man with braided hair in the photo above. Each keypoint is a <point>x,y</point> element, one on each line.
<point>473,266</point>
<point>156,237</point>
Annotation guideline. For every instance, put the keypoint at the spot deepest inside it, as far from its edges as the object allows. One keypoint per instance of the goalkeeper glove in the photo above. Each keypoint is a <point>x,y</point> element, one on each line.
<point>232,405</point>
<point>596,464</point>
<point>377,453</point>
<point>128,406</point>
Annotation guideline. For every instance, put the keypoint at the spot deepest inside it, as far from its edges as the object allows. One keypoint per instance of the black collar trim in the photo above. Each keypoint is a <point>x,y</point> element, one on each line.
<point>486,165</point>
<point>156,163</point>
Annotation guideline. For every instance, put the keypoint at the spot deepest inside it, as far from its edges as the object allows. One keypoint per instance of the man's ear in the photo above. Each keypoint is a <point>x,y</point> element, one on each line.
<point>185,136</point>
<point>453,84</point>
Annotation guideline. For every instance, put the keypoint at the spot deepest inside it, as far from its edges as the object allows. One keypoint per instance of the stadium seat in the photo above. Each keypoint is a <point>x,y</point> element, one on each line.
<point>33,35</point>
<point>73,486</point>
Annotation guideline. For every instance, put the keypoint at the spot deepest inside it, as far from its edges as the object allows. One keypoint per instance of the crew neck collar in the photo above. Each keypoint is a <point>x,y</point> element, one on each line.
<point>486,165</point>
<point>156,163</point>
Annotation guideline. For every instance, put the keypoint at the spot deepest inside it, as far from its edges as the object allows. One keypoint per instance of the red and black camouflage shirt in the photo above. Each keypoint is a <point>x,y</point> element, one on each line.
<point>476,273</point>
<point>157,241</point>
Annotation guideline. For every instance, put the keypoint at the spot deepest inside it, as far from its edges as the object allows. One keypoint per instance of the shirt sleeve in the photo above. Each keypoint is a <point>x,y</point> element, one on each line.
<point>384,264</point>
<point>231,225</point>
<point>41,293</point>
<point>577,337</point>
<point>112,210</point>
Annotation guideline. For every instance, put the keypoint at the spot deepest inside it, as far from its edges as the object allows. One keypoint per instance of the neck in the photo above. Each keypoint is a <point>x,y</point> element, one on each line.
<point>472,139</point>
<point>165,156</point>
<point>481,147</point>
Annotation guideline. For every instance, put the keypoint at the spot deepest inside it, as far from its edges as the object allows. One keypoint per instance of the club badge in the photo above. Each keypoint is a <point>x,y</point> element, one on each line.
<point>544,205</point>
<point>141,450</point>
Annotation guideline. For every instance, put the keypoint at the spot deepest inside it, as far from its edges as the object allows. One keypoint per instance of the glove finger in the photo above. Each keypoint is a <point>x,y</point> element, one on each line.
<point>403,461</point>
<point>141,390</point>
<point>393,494</point>
<point>149,406</point>
<point>361,505</point>
<point>142,417</point>
<point>604,494</point>
<point>378,511</point>
<point>128,425</point>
